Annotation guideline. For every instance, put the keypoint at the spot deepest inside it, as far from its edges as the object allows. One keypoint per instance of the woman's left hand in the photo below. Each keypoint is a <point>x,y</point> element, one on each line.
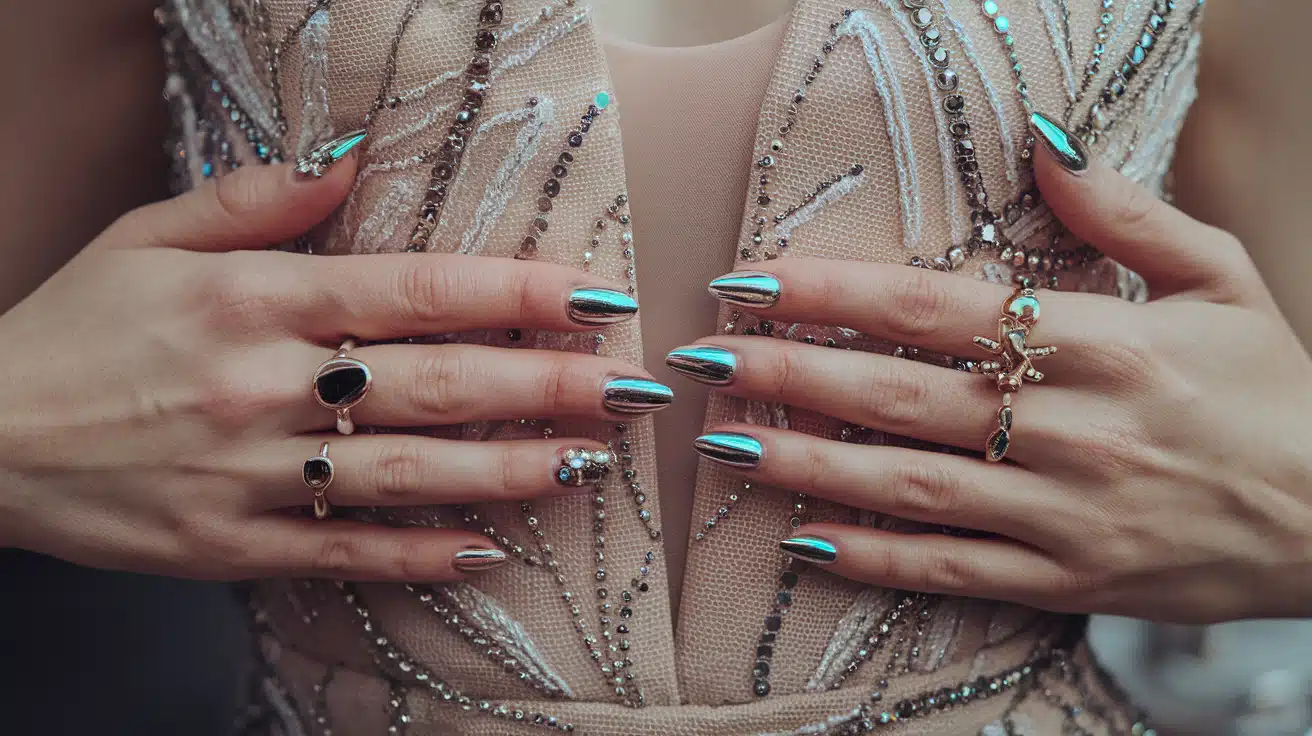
<point>1163,468</point>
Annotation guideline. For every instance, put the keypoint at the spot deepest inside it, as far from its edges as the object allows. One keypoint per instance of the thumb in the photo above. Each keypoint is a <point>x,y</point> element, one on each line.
<point>253,207</point>
<point>1170,249</point>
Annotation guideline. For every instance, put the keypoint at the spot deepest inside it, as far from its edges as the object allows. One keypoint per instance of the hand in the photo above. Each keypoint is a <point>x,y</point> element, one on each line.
<point>159,410</point>
<point>1162,469</point>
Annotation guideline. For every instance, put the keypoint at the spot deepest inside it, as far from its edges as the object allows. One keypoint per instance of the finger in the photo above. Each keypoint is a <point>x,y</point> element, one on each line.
<point>345,550</point>
<point>252,207</point>
<point>405,470</point>
<point>931,310</point>
<point>1173,251</point>
<point>384,296</point>
<point>993,568</point>
<point>430,385</point>
<point>902,397</point>
<point>935,488</point>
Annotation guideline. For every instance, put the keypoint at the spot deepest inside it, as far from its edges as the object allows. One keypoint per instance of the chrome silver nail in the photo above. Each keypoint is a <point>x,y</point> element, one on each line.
<point>1064,145</point>
<point>636,395</point>
<point>703,363</point>
<point>730,448</point>
<point>478,558</point>
<point>581,466</point>
<point>317,162</point>
<point>597,307</point>
<point>812,549</point>
<point>746,289</point>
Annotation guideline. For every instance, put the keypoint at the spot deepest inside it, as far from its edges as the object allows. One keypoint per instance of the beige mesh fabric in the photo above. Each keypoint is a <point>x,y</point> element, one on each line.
<point>697,680</point>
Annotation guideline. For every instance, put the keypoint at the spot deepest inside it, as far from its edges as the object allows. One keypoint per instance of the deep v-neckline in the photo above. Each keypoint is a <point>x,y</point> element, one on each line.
<point>686,211</point>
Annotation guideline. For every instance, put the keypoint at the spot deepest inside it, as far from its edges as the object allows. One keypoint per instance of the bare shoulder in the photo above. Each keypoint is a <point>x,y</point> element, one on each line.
<point>1242,162</point>
<point>82,122</point>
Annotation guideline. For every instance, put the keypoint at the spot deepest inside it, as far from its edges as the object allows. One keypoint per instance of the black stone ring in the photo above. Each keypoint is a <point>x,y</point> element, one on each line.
<point>318,475</point>
<point>340,383</point>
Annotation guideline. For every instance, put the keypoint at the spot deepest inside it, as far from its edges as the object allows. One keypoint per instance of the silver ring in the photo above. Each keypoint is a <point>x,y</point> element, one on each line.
<point>317,473</point>
<point>340,383</point>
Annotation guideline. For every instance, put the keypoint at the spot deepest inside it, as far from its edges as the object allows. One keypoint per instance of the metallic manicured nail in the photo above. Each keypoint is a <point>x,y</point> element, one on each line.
<point>1064,145</point>
<point>636,395</point>
<point>581,466</point>
<point>746,288</point>
<point>597,307</point>
<point>729,448</point>
<point>703,363</point>
<point>812,549</point>
<point>317,162</point>
<point>478,558</point>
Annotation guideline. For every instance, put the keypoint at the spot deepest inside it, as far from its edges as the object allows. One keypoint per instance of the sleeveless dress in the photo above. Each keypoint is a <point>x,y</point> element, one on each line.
<point>889,131</point>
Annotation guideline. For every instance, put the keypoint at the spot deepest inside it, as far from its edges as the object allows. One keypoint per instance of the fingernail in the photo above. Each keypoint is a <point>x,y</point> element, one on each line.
<point>581,466</point>
<point>636,395</point>
<point>729,448</point>
<point>601,306</point>
<point>703,363</point>
<point>317,162</point>
<point>746,288</point>
<point>478,558</point>
<point>812,549</point>
<point>1064,146</point>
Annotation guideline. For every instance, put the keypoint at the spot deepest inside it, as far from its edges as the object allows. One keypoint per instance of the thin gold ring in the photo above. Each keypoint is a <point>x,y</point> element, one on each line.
<point>340,383</point>
<point>1014,362</point>
<point>317,473</point>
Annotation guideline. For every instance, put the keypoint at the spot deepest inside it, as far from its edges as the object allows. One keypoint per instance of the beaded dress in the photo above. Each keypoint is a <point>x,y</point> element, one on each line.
<point>890,131</point>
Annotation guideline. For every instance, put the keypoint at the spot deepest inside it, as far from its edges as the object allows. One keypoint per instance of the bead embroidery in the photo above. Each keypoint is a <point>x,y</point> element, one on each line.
<point>448,156</point>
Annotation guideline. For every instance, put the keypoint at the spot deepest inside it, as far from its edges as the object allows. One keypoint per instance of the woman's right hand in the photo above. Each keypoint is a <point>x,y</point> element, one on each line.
<point>159,408</point>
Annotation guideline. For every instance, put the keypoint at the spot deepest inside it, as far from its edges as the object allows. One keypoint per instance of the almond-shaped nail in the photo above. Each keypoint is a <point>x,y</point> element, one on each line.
<point>625,395</point>
<point>703,363</point>
<point>317,162</point>
<point>811,549</point>
<point>597,307</point>
<point>478,558</point>
<point>734,449</point>
<point>1064,145</point>
<point>746,289</point>
<point>581,466</point>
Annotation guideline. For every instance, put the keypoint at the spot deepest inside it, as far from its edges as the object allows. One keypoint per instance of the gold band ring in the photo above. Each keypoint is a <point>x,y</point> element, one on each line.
<point>1014,361</point>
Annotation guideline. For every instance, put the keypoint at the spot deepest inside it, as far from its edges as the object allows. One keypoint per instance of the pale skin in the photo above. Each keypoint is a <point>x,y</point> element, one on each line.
<point>1076,535</point>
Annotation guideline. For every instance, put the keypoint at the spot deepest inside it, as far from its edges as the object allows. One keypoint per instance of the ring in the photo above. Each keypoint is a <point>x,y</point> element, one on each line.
<point>340,383</point>
<point>1014,363</point>
<point>318,475</point>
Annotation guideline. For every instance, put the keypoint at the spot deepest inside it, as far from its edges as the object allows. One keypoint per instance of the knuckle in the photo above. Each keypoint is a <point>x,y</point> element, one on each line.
<point>438,380</point>
<point>235,195</point>
<point>1136,207</point>
<point>817,469</point>
<point>240,297</point>
<point>917,305</point>
<point>413,560</point>
<point>897,397</point>
<point>943,572</point>
<point>782,372</point>
<point>923,490</point>
<point>398,471</point>
<point>425,291</point>
<point>554,384</point>
<point>337,555</point>
<point>215,551</point>
<point>1128,361</point>
<point>1112,447</point>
